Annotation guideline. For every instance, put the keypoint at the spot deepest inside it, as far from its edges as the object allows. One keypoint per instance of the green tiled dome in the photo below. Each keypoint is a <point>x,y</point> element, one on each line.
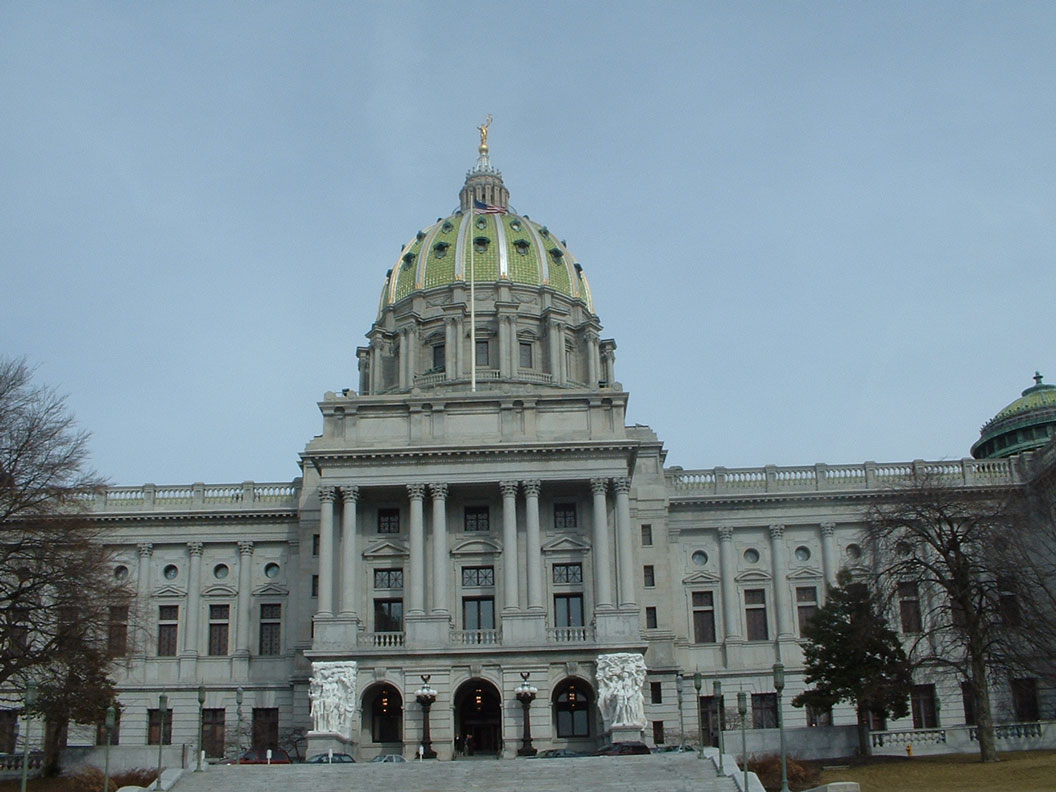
<point>1027,423</point>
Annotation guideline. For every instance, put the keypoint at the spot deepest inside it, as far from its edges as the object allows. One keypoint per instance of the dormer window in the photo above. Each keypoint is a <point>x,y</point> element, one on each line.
<point>482,223</point>
<point>515,225</point>
<point>440,249</point>
<point>522,246</point>
<point>556,253</point>
<point>446,227</point>
<point>408,260</point>
<point>480,244</point>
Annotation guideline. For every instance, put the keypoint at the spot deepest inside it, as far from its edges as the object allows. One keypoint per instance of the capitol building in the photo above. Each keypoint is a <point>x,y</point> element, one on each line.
<point>477,523</point>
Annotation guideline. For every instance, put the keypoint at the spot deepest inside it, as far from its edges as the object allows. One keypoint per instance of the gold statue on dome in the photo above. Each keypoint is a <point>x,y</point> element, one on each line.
<point>483,128</point>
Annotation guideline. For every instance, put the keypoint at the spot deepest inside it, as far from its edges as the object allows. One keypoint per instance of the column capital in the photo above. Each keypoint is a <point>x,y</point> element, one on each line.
<point>777,531</point>
<point>145,548</point>
<point>509,489</point>
<point>195,548</point>
<point>599,485</point>
<point>326,494</point>
<point>725,533</point>
<point>622,484</point>
<point>349,493</point>
<point>438,491</point>
<point>416,492</point>
<point>245,548</point>
<point>532,487</point>
<point>828,529</point>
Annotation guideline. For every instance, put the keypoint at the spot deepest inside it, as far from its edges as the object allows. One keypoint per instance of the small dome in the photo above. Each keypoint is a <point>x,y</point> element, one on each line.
<point>1027,423</point>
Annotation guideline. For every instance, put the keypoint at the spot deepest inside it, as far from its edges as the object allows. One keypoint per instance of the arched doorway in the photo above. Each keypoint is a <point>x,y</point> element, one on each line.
<point>478,718</point>
<point>573,709</point>
<point>383,714</point>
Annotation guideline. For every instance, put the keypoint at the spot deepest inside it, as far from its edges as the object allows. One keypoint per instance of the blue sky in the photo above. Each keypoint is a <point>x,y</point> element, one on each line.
<point>817,231</point>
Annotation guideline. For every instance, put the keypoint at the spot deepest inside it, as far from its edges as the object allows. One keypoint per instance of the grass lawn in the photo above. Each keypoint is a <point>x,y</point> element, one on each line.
<point>1022,771</point>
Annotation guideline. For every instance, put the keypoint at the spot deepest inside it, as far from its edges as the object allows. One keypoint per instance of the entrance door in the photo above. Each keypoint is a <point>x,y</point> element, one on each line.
<point>478,719</point>
<point>265,727</point>
<point>711,718</point>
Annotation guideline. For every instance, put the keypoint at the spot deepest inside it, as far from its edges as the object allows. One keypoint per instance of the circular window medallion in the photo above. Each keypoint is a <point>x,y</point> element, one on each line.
<point>802,554</point>
<point>271,570</point>
<point>220,571</point>
<point>171,572</point>
<point>699,558</point>
<point>121,572</point>
<point>854,551</point>
<point>751,555</point>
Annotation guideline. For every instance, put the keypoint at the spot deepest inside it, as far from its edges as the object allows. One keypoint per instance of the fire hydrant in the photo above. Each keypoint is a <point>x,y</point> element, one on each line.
<point>909,750</point>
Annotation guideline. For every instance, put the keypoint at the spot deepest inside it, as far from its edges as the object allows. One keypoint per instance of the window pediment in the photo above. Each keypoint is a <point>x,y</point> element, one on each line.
<point>700,579</point>
<point>805,573</point>
<point>476,546</point>
<point>386,549</point>
<point>566,544</point>
<point>219,590</point>
<point>271,590</point>
<point>752,576</point>
<point>169,591</point>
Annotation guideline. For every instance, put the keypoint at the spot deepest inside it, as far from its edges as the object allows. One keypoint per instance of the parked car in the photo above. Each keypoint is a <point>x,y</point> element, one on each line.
<point>337,758</point>
<point>388,758</point>
<point>674,749</point>
<point>559,753</point>
<point>259,756</point>
<point>622,749</point>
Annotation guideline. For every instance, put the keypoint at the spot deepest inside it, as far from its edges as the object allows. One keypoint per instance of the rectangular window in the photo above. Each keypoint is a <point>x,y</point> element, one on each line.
<point>477,518</point>
<point>478,613</point>
<point>526,355</point>
<point>658,732</point>
<point>650,618</point>
<point>115,735</point>
<point>213,724</point>
<point>656,693</point>
<point>478,576</point>
<point>712,714</point>
<point>388,578</point>
<point>265,728</point>
<point>968,701</point>
<point>909,607</point>
<point>703,617</point>
<point>647,535</point>
<point>1007,602</point>
<point>439,357</point>
<point>8,730</point>
<point>649,575</point>
<point>388,615</point>
<point>1025,700</point>
<point>819,716</point>
<point>388,521</point>
<point>764,710</point>
<point>218,620</point>
<point>568,573</point>
<point>482,352</point>
<point>755,615</point>
<point>922,704</point>
<point>155,733</point>
<point>877,722</point>
<point>270,630</point>
<point>117,639</point>
<point>568,610</point>
<point>315,544</point>
<point>168,628</point>
<point>564,516</point>
<point>315,585</point>
<point>806,605</point>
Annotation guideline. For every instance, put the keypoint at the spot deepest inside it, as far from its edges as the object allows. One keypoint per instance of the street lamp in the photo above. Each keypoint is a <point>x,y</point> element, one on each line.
<point>779,685</point>
<point>111,718</point>
<point>201,725</point>
<point>525,694</point>
<point>426,696</point>
<point>680,683</point>
<point>716,693</point>
<point>31,701</point>
<point>163,705</point>
<point>742,710</point>
<point>238,709</point>
<point>697,683</point>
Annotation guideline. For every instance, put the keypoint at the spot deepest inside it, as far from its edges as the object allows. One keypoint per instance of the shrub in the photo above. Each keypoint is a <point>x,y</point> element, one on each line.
<point>90,779</point>
<point>801,774</point>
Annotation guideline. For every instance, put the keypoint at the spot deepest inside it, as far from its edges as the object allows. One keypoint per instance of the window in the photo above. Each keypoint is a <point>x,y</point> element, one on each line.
<point>656,693</point>
<point>564,516</point>
<point>572,710</point>
<point>819,716</point>
<point>806,605</point>
<point>909,607</point>
<point>100,731</point>
<point>478,613</point>
<point>650,618</point>
<point>1025,700</point>
<point>482,352</point>
<point>439,357</point>
<point>315,585</point>
<point>315,544</point>
<point>388,615</point>
<point>649,576</point>
<point>755,614</point>
<point>477,518</point>
<point>922,704</point>
<point>270,629</point>
<point>386,713</point>
<point>877,721</point>
<point>265,728</point>
<point>8,730</point>
<point>388,521</point>
<point>117,639</point>
<point>568,573</point>
<point>968,700</point>
<point>658,732</point>
<point>568,610</point>
<point>647,535</point>
<point>1007,602</point>
<point>475,577</point>
<point>703,617</point>
<point>388,578</point>
<point>213,732</point>
<point>218,621</point>
<point>526,355</point>
<point>155,732</point>
<point>168,627</point>
<point>764,710</point>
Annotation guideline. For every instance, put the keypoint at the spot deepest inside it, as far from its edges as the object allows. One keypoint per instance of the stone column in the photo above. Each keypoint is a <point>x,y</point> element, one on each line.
<point>194,598</point>
<point>146,550</point>
<point>561,356</point>
<point>450,355</point>
<point>350,498</point>
<point>325,606</point>
<point>552,348</point>
<point>533,546</point>
<point>416,605</point>
<point>375,366</point>
<point>460,353</point>
<point>731,621</point>
<point>600,541</point>
<point>510,570</point>
<point>779,570</point>
<point>828,553</point>
<point>504,347</point>
<point>245,581</point>
<point>625,560</point>
<point>404,354</point>
<point>439,493</point>
<point>592,360</point>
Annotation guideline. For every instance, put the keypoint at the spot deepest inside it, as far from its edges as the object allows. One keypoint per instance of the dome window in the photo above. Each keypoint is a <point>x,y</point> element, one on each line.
<point>408,260</point>
<point>522,246</point>
<point>440,249</point>
<point>556,253</point>
<point>446,227</point>
<point>482,223</point>
<point>480,244</point>
<point>545,232</point>
<point>420,236</point>
<point>515,225</point>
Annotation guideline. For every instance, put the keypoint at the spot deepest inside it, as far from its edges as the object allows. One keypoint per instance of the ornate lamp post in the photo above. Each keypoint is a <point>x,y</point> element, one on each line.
<point>742,710</point>
<point>238,704</point>
<point>779,685</point>
<point>163,706</point>
<point>697,683</point>
<point>716,693</point>
<point>111,719</point>
<point>680,683</point>
<point>31,701</point>
<point>426,696</point>
<point>201,724</point>
<point>526,695</point>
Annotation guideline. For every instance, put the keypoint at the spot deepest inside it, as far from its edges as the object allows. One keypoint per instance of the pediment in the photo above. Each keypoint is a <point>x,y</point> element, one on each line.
<point>386,549</point>
<point>751,576</point>
<point>700,578</point>
<point>220,590</point>
<point>476,546</point>
<point>169,591</point>
<point>805,573</point>
<point>271,590</point>
<point>566,544</point>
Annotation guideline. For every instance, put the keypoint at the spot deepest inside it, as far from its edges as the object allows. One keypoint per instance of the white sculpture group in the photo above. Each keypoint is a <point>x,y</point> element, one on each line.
<point>332,691</point>
<point>620,680</point>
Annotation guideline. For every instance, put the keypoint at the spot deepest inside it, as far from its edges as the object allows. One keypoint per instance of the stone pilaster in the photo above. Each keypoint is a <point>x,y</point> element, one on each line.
<point>828,553</point>
<point>779,569</point>
<point>731,621</point>
<point>194,598</point>
<point>245,583</point>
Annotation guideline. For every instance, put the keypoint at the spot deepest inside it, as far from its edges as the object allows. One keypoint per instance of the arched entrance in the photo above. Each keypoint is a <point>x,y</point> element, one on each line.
<point>478,719</point>
<point>383,714</point>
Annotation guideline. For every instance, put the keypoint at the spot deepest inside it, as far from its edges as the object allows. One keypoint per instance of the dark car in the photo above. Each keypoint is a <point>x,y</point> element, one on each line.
<point>623,749</point>
<point>260,756</point>
<point>559,753</point>
<point>337,758</point>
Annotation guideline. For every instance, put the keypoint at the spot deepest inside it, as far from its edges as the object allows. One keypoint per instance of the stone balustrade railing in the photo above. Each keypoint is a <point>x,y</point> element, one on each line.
<point>382,640</point>
<point>571,634</point>
<point>151,497</point>
<point>476,637</point>
<point>836,478</point>
<point>907,737</point>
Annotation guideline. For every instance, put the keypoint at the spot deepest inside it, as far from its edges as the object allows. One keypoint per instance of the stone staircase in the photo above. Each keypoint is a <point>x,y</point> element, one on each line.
<point>654,773</point>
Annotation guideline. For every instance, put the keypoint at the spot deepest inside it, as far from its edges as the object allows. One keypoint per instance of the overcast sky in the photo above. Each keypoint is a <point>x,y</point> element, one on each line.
<point>819,232</point>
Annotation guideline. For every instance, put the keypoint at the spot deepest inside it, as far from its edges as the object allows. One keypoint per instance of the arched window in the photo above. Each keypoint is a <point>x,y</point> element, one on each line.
<point>572,704</point>
<point>386,715</point>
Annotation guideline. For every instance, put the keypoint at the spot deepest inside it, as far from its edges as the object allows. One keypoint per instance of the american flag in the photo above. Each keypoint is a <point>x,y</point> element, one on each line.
<point>479,207</point>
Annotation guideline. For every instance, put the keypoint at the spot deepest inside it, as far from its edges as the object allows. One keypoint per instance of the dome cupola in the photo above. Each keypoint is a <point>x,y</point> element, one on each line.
<point>1026,424</point>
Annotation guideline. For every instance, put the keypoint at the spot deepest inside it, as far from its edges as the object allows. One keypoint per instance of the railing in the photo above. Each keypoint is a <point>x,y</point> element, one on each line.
<point>151,497</point>
<point>905,736</point>
<point>1011,731</point>
<point>571,634</point>
<point>13,761</point>
<point>476,637</point>
<point>384,640</point>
